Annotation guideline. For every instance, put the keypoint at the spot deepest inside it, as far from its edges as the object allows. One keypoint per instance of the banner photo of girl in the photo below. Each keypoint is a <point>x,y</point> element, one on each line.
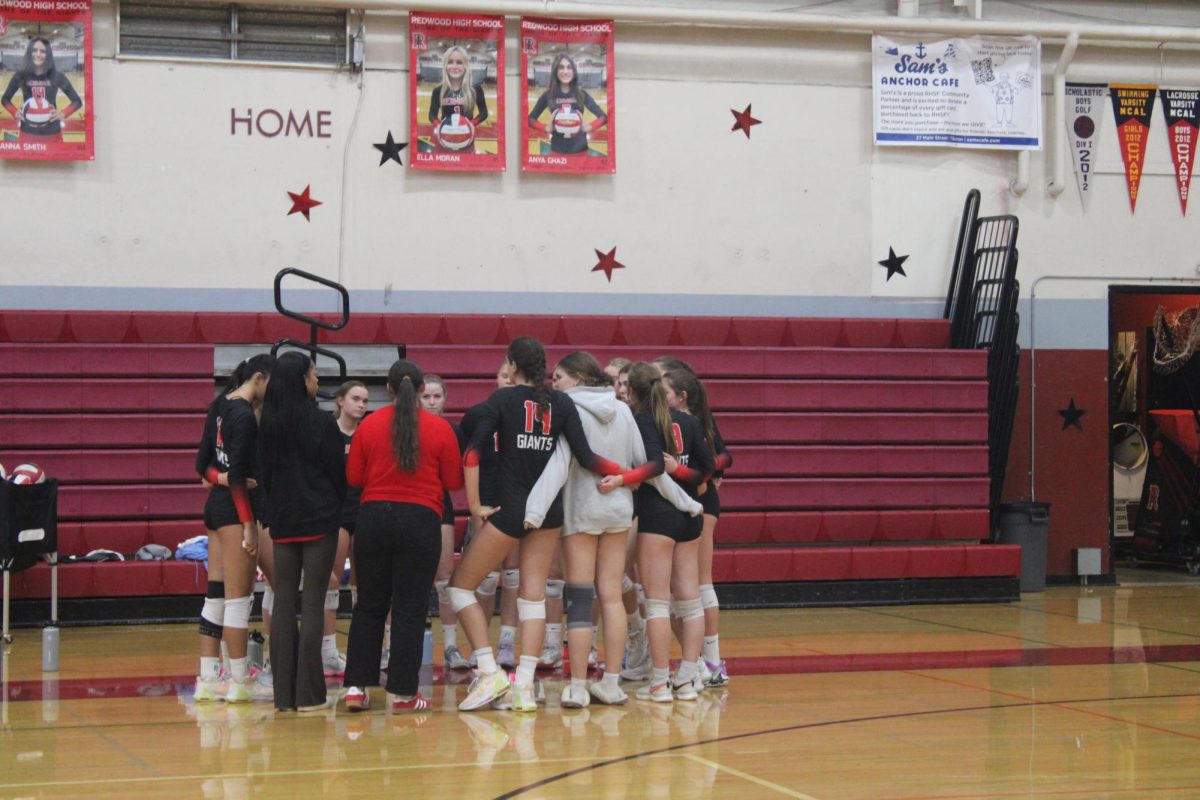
<point>46,78</point>
<point>568,102</point>
<point>456,91</point>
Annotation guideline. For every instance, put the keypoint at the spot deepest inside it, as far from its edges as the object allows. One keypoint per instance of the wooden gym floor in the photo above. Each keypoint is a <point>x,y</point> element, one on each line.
<point>1074,693</point>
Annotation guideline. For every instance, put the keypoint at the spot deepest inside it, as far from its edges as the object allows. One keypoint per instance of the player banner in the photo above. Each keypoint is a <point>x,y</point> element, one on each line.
<point>456,91</point>
<point>1182,111</point>
<point>1085,112</point>
<point>568,101</point>
<point>978,91</point>
<point>1132,107</point>
<point>46,111</point>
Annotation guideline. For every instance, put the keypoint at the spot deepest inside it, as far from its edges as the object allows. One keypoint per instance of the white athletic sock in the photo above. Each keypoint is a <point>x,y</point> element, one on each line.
<point>239,669</point>
<point>553,635</point>
<point>486,660</point>
<point>508,633</point>
<point>210,668</point>
<point>579,684</point>
<point>611,680</point>
<point>686,671</point>
<point>659,675</point>
<point>712,650</point>
<point>449,635</point>
<point>329,645</point>
<point>527,669</point>
<point>224,655</point>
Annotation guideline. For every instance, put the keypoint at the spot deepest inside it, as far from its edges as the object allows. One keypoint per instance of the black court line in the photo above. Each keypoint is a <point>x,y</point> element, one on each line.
<point>826,724</point>
<point>1110,623</point>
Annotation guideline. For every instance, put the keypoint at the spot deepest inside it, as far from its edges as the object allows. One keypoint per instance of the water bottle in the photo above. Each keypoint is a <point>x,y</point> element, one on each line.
<point>50,648</point>
<point>427,650</point>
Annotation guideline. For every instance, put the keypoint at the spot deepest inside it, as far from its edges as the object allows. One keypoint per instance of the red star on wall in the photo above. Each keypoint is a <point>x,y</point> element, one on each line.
<point>302,203</point>
<point>608,262</point>
<point>744,121</point>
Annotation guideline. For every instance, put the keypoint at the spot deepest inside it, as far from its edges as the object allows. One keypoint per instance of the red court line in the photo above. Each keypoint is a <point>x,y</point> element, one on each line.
<point>160,685</point>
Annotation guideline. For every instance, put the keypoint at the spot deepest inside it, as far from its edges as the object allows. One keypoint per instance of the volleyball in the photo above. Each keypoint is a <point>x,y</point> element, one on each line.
<point>37,110</point>
<point>567,122</point>
<point>456,132</point>
<point>26,474</point>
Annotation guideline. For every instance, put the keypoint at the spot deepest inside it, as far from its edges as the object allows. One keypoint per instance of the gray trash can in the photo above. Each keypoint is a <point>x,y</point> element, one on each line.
<point>1026,524</point>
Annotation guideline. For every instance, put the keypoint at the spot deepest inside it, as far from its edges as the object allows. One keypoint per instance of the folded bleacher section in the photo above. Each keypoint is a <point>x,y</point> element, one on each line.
<point>860,446</point>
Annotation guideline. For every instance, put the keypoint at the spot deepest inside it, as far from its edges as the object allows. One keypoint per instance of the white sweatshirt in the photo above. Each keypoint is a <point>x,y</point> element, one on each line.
<point>611,433</point>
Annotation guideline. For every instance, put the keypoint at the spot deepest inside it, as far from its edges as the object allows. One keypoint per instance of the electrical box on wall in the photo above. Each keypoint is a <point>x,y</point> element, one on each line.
<point>1087,561</point>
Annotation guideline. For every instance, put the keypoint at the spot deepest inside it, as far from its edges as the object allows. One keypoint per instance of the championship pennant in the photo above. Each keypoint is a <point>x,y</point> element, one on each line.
<point>1132,105</point>
<point>1085,106</point>
<point>1181,108</point>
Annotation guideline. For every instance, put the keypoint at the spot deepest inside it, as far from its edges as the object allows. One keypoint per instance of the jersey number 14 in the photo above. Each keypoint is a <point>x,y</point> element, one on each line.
<point>532,415</point>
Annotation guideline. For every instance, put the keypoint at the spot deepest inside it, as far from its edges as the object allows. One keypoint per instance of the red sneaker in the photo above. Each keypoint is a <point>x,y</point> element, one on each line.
<point>357,699</point>
<point>416,703</point>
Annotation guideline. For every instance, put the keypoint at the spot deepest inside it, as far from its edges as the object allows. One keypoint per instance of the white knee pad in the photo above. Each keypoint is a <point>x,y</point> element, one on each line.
<point>268,599</point>
<point>689,610</point>
<point>332,598</point>
<point>658,609</point>
<point>460,598</point>
<point>511,579</point>
<point>675,610</point>
<point>487,587</point>
<point>237,612</point>
<point>530,609</point>
<point>212,616</point>
<point>442,593</point>
<point>708,596</point>
<point>626,584</point>
<point>554,589</point>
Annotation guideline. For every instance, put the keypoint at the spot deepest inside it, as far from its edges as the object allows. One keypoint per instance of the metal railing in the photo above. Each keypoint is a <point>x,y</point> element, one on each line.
<point>311,347</point>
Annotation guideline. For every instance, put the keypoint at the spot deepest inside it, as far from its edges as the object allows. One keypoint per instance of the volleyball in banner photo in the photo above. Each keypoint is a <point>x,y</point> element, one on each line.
<point>46,110</point>
<point>568,97</point>
<point>456,91</point>
<point>1085,113</point>
<point>1181,108</point>
<point>1133,105</point>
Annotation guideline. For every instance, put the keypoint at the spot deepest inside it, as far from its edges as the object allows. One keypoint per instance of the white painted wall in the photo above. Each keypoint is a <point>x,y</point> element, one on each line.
<point>177,213</point>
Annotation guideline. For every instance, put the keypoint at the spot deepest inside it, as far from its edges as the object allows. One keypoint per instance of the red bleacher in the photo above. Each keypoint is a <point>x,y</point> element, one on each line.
<point>860,446</point>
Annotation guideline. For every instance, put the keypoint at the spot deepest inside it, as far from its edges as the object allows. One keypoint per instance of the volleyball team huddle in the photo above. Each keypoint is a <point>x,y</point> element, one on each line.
<point>597,498</point>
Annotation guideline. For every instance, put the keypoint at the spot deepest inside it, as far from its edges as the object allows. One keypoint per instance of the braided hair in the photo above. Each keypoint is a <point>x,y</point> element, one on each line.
<point>530,357</point>
<point>646,391</point>
<point>405,380</point>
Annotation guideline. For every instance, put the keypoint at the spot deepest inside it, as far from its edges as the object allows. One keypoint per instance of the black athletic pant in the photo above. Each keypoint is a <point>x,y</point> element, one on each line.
<point>396,550</point>
<point>296,666</point>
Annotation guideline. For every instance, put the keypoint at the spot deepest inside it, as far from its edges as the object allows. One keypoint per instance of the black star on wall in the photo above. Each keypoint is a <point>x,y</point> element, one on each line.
<point>894,264</point>
<point>391,150</point>
<point>1071,415</point>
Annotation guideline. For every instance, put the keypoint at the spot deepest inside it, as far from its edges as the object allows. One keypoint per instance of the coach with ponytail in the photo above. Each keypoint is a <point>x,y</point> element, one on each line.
<point>405,459</point>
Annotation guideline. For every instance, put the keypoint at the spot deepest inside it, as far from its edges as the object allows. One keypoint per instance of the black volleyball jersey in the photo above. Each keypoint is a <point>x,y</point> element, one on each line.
<point>695,460</point>
<point>47,86</point>
<point>526,439</point>
<point>229,444</point>
<point>722,460</point>
<point>444,106</point>
<point>555,99</point>
<point>489,457</point>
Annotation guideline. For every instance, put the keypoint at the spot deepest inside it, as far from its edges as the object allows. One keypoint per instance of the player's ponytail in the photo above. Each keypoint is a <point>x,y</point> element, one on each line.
<point>645,385</point>
<point>262,363</point>
<point>530,357</point>
<point>685,381</point>
<point>405,380</point>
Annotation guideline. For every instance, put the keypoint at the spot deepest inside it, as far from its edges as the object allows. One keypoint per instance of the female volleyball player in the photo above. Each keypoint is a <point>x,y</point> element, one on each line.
<point>529,419</point>
<point>304,478</point>
<point>668,540</point>
<point>228,445</point>
<point>40,82</point>
<point>405,459</point>
<point>457,94</point>
<point>566,102</point>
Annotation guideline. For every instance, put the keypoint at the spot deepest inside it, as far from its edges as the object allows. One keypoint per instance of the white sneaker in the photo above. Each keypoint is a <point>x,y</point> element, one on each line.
<point>609,697</point>
<point>452,658</point>
<point>484,689</point>
<point>517,699</point>
<point>641,667</point>
<point>506,655</point>
<point>334,664</point>
<point>210,690</point>
<point>688,690</point>
<point>249,692</point>
<point>575,698</point>
<point>718,674</point>
<point>656,692</point>
<point>703,671</point>
<point>551,658</point>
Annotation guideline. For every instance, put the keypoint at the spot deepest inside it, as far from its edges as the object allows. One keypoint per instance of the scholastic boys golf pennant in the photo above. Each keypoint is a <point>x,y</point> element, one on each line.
<point>1132,106</point>
<point>456,91</point>
<point>46,111</point>
<point>1085,113</point>
<point>1182,112</point>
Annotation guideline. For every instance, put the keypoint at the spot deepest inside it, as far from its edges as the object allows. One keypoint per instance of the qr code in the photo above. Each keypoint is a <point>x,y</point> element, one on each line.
<point>983,71</point>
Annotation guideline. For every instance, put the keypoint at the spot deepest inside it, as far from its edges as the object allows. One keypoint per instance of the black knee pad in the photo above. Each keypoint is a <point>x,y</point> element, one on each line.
<point>577,597</point>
